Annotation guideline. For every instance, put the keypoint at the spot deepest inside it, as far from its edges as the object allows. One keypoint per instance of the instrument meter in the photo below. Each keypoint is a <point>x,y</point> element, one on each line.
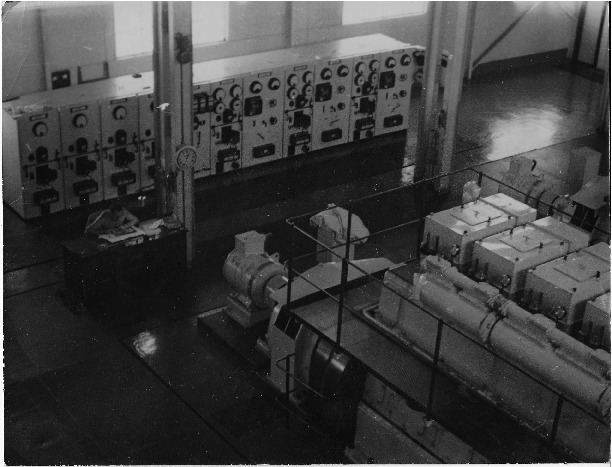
<point>79,121</point>
<point>40,129</point>
<point>185,158</point>
<point>119,113</point>
<point>274,84</point>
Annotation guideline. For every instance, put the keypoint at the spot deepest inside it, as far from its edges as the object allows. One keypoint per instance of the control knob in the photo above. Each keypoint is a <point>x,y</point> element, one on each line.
<point>219,107</point>
<point>359,80</point>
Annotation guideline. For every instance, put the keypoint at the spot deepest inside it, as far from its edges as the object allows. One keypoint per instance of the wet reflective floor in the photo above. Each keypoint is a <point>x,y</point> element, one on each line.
<point>75,392</point>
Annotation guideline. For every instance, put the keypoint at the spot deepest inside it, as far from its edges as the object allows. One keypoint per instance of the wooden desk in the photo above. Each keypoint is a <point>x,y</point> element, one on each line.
<point>97,272</point>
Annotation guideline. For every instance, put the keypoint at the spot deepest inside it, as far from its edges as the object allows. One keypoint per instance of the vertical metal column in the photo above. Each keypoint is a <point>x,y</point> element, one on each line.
<point>422,167</point>
<point>172,66</point>
<point>452,92</point>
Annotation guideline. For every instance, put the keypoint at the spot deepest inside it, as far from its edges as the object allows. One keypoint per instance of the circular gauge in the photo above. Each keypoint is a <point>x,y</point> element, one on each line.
<point>418,77</point>
<point>79,121</point>
<point>236,91</point>
<point>307,91</point>
<point>255,87</point>
<point>185,157</point>
<point>367,88</point>
<point>40,129</point>
<point>236,105</point>
<point>360,68</point>
<point>292,93</point>
<point>326,73</point>
<point>274,84</point>
<point>307,77</point>
<point>292,80</point>
<point>119,113</point>
<point>343,71</point>
<point>359,80</point>
<point>374,65</point>
<point>405,60</point>
<point>219,107</point>
<point>373,78</point>
<point>390,62</point>
<point>219,94</point>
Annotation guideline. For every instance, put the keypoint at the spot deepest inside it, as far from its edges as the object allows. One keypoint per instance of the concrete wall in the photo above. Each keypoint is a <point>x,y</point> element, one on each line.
<point>39,37</point>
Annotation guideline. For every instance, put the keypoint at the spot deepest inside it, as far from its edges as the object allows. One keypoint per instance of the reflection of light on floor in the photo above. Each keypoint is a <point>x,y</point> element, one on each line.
<point>145,344</point>
<point>523,131</point>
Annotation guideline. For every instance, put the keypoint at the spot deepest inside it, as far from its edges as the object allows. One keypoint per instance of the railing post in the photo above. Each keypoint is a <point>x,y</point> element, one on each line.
<point>434,370</point>
<point>555,425</point>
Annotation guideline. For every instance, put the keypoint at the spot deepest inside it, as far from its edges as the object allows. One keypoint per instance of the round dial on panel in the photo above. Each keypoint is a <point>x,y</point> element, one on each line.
<point>219,94</point>
<point>326,73</point>
<point>255,87</point>
<point>292,93</point>
<point>236,105</point>
<point>40,129</point>
<point>119,113</point>
<point>360,67</point>
<point>359,80</point>
<point>307,91</point>
<point>185,157</point>
<point>236,91</point>
<point>373,78</point>
<point>343,71</point>
<point>405,60</point>
<point>79,121</point>
<point>374,65</point>
<point>292,80</point>
<point>307,77</point>
<point>390,62</point>
<point>274,84</point>
<point>219,107</point>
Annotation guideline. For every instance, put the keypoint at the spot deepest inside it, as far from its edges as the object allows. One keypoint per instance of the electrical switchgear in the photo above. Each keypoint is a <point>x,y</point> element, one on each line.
<point>332,100</point>
<point>81,154</point>
<point>262,137</point>
<point>146,132</point>
<point>363,96</point>
<point>226,125</point>
<point>120,158</point>
<point>298,85</point>
<point>43,188</point>
<point>395,83</point>
<point>202,102</point>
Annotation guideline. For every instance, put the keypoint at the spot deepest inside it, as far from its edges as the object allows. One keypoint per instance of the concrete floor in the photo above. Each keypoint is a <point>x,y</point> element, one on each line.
<point>76,393</point>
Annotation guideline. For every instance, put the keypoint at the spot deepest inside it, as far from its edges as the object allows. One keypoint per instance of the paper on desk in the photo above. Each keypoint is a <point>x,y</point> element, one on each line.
<point>150,224</point>
<point>132,232</point>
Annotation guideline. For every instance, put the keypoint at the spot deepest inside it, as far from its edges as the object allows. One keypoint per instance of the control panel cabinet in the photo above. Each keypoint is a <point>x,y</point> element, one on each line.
<point>299,90</point>
<point>146,133</point>
<point>32,182</point>
<point>120,159</point>
<point>397,69</point>
<point>81,154</point>
<point>263,117</point>
<point>363,96</point>
<point>202,103</point>
<point>226,125</point>
<point>332,100</point>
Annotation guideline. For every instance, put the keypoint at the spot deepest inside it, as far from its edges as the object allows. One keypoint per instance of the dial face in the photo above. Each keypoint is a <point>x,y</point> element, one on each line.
<point>359,80</point>
<point>219,107</point>
<point>307,91</point>
<point>186,157</point>
<point>326,73</point>
<point>360,67</point>
<point>373,78</point>
<point>236,91</point>
<point>405,60</point>
<point>292,93</point>
<point>273,84</point>
<point>374,65</point>
<point>390,62</point>
<point>40,129</point>
<point>255,87</point>
<point>343,71</point>
<point>307,77</point>
<point>119,113</point>
<point>219,94</point>
<point>236,105</point>
<point>292,80</point>
<point>79,121</point>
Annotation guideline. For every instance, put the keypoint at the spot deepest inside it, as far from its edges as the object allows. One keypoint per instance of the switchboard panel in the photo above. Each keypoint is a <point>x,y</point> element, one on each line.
<point>119,130</point>
<point>202,102</point>
<point>262,137</point>
<point>397,69</point>
<point>226,125</point>
<point>39,138</point>
<point>146,133</point>
<point>332,100</point>
<point>81,154</point>
<point>363,96</point>
<point>43,189</point>
<point>297,131</point>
